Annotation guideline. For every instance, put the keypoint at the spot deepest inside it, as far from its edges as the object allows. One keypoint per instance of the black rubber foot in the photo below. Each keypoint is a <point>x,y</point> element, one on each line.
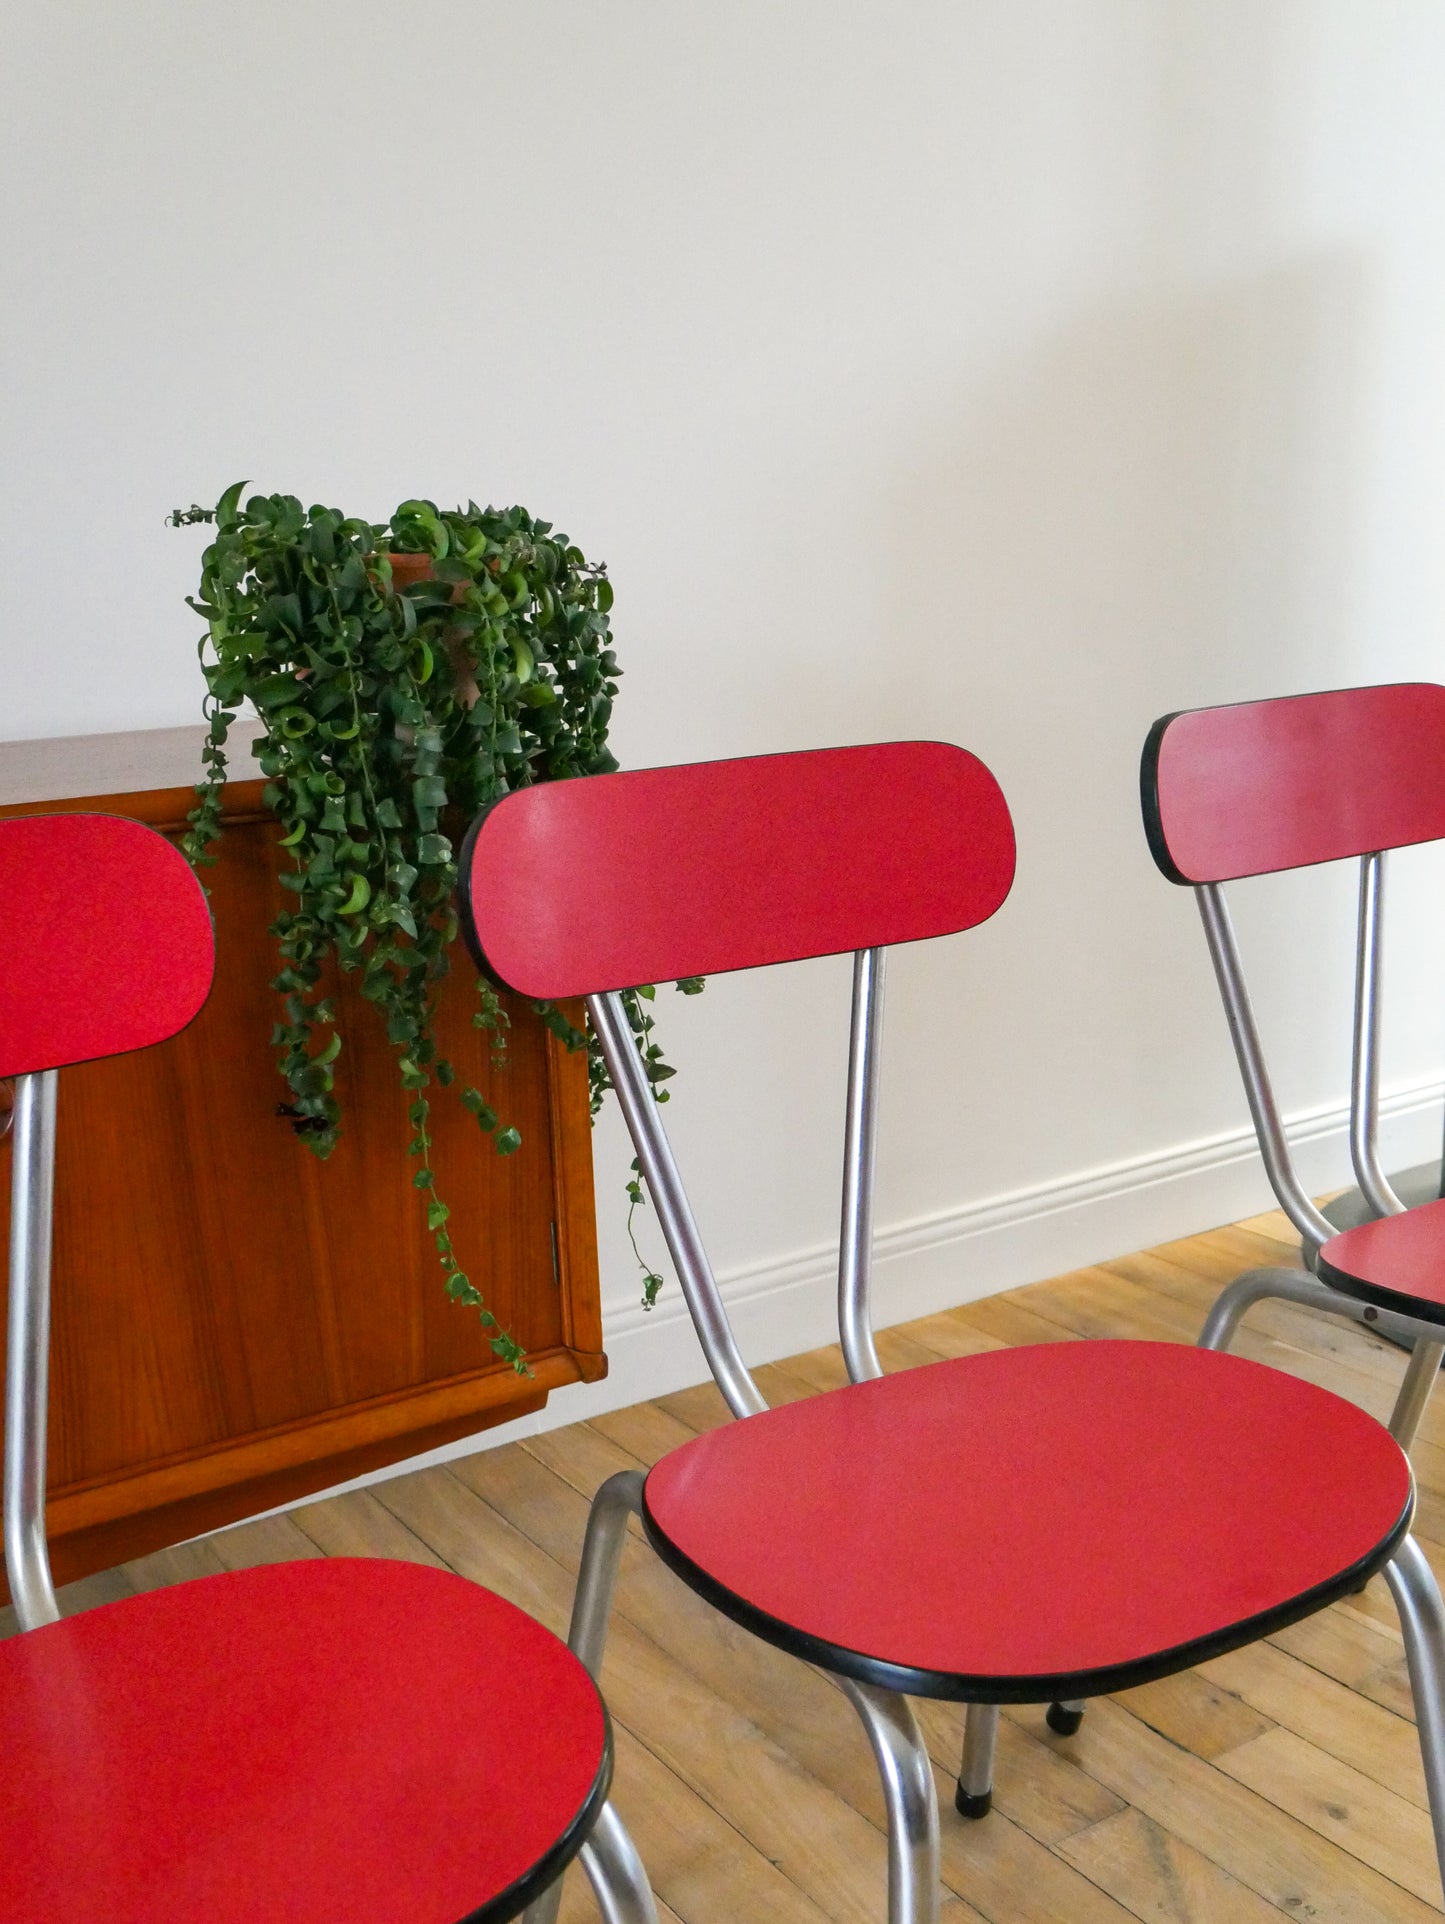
<point>1064,1722</point>
<point>967,1805</point>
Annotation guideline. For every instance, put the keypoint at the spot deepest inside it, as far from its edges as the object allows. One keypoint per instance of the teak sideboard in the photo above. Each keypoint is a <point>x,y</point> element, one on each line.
<point>236,1323</point>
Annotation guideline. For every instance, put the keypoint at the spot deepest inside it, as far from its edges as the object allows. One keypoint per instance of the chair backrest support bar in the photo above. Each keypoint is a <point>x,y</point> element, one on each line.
<point>1365,1066</point>
<point>664,1184</point>
<point>32,1187</point>
<point>1279,1165</point>
<point>860,1138</point>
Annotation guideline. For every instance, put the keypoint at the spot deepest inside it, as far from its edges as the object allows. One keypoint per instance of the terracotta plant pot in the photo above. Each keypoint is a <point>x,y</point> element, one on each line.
<point>406,569</point>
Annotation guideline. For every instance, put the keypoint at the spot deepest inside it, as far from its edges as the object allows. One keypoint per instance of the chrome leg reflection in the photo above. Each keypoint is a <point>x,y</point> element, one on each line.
<point>902,1759</point>
<point>974,1795</point>
<point>618,1498</point>
<point>1420,1378</point>
<point>618,1879</point>
<point>1422,1619</point>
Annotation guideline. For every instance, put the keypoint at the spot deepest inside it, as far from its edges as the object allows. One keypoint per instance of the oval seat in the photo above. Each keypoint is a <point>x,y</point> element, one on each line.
<point>1397,1262</point>
<point>347,1737</point>
<point>910,1532</point>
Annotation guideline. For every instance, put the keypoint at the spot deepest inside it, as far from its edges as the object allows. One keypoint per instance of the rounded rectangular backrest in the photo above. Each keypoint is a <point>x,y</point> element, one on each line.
<point>1269,785</point>
<point>105,940</point>
<point>605,881</point>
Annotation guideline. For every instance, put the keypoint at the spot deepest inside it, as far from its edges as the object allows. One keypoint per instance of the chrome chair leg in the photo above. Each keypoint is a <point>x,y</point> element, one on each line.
<point>615,1871</point>
<point>1254,1286</point>
<point>974,1795</point>
<point>1420,1377</point>
<point>615,1501</point>
<point>1288,1285</point>
<point>1422,1619</point>
<point>902,1759</point>
<point>1292,1286</point>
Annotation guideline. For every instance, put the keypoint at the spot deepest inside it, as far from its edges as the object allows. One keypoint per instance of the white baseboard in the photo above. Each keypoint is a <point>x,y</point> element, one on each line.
<point>958,1255</point>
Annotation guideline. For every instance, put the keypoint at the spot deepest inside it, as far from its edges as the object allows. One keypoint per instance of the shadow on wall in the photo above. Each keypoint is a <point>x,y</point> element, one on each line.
<point>1154,511</point>
<point>1156,508</point>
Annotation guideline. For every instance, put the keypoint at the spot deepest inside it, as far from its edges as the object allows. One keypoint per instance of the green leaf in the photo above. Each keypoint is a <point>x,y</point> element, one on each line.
<point>227,505</point>
<point>507,1141</point>
<point>274,690</point>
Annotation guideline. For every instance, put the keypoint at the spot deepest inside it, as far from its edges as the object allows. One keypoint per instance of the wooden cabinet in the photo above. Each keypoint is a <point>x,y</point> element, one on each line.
<point>236,1323</point>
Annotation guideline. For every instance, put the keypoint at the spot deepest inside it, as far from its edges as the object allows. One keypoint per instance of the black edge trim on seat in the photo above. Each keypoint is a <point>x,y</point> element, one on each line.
<point>1149,799</point>
<point>1401,1302</point>
<point>550,1865</point>
<point>957,1688</point>
<point>464,897</point>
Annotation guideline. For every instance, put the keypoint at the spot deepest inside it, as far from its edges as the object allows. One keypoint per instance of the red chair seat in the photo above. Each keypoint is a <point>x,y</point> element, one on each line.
<point>1046,1522</point>
<point>1397,1262</point>
<point>307,1741</point>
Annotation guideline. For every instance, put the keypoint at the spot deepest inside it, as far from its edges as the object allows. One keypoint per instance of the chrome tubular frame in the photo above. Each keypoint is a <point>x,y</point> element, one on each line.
<point>1424,1366</point>
<point>1279,1165</point>
<point>1365,1068</point>
<point>902,1759</point>
<point>615,1871</point>
<point>618,1498</point>
<point>860,1140</point>
<point>664,1184</point>
<point>1419,1379</point>
<point>1422,1619</point>
<point>1222,1321</point>
<point>32,1194</point>
<point>1255,1285</point>
<point>1422,1339</point>
<point>893,1734</point>
<point>975,1775</point>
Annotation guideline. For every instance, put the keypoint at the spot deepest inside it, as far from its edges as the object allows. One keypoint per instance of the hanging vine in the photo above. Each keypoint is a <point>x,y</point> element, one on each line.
<point>394,710</point>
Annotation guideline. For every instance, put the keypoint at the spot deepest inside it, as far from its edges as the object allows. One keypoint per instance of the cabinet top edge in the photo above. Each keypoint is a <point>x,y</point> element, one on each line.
<point>66,767</point>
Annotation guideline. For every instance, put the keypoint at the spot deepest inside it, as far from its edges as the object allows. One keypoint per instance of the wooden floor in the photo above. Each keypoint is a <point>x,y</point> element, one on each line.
<point>1284,1779</point>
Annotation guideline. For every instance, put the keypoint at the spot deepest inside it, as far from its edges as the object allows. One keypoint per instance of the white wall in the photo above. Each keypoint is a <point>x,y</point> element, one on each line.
<point>1001,371</point>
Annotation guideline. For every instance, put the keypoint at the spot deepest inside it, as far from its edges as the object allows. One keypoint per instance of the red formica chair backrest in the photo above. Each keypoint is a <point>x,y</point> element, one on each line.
<point>578,887</point>
<point>106,937</point>
<point>1269,785</point>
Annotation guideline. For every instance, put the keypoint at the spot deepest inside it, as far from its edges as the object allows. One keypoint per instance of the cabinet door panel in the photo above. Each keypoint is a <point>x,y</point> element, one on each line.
<point>217,1285</point>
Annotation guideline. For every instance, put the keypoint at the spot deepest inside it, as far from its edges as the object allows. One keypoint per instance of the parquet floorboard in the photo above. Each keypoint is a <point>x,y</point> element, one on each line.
<point>1281,1781</point>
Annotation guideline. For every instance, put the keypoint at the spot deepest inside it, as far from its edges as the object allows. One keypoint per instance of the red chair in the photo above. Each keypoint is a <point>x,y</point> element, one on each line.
<point>1265,786</point>
<point>348,1737</point>
<point>1206,1501</point>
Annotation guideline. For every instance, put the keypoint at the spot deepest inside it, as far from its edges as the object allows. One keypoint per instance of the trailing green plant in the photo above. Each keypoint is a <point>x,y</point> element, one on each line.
<point>391,716</point>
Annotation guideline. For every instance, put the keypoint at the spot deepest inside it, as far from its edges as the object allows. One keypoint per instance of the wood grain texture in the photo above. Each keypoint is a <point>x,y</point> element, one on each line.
<point>236,1323</point>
